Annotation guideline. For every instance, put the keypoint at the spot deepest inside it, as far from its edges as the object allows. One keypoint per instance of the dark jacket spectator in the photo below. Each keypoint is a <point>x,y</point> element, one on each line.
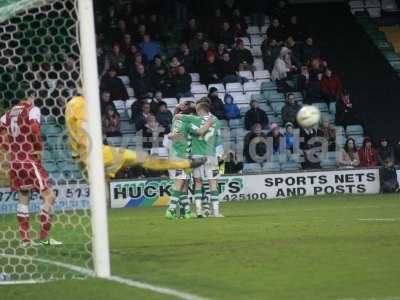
<point>117,60</point>
<point>216,105</point>
<point>228,69</point>
<point>187,58</point>
<point>183,83</point>
<point>156,101</point>
<point>141,83</point>
<point>367,154</point>
<point>295,29</point>
<point>209,72</point>
<point>105,101</point>
<point>196,42</point>
<point>255,115</point>
<point>239,23</point>
<point>270,52</point>
<point>276,31</point>
<point>141,116</point>
<point>162,81</point>
<point>111,122</point>
<point>231,110</point>
<point>309,50</point>
<point>190,30</point>
<point>226,35</point>
<point>385,150</point>
<point>154,27</point>
<point>388,177</point>
<point>295,51</point>
<point>290,110</point>
<point>110,82</point>
<point>242,57</point>
<point>164,117</point>
<point>203,52</point>
<point>256,141</point>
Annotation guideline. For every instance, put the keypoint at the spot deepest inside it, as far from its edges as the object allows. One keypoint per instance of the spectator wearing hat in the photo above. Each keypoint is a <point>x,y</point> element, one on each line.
<point>367,154</point>
<point>217,107</point>
<point>348,156</point>
<point>209,71</point>
<point>288,137</point>
<point>385,150</point>
<point>110,82</point>
<point>231,110</point>
<point>388,177</point>
<point>255,115</point>
<point>330,87</point>
<point>255,140</point>
<point>276,137</point>
<point>290,110</point>
<point>242,57</point>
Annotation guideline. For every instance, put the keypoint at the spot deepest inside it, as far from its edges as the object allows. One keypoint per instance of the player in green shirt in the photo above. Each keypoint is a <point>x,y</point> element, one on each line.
<point>205,145</point>
<point>180,147</point>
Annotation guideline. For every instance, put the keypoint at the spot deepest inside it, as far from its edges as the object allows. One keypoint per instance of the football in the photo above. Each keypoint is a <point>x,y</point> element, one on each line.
<point>308,116</point>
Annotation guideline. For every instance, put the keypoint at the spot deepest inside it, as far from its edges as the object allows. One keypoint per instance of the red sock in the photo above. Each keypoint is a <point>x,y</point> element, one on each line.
<point>23,227</point>
<point>45,224</point>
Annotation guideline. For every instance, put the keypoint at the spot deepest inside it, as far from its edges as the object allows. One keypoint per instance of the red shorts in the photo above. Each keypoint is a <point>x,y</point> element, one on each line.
<point>28,175</point>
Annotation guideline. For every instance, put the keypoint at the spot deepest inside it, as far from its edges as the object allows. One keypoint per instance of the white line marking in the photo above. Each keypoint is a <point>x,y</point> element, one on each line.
<point>88,272</point>
<point>379,220</point>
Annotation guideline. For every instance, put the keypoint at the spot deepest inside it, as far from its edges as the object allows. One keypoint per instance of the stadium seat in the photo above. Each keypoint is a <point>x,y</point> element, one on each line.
<point>332,107</point>
<point>271,167</point>
<point>131,92</point>
<point>114,141</point>
<point>251,30</point>
<point>264,29</point>
<point>124,116</point>
<point>278,106</point>
<point>195,77</point>
<point>256,51</point>
<point>321,106</point>
<point>236,123</point>
<point>252,86</point>
<point>268,86</point>
<point>359,140</point>
<point>256,40</point>
<point>252,95</point>
<point>243,109</point>
<point>234,87</point>
<point>249,168</point>
<point>246,74</point>
<point>198,89</point>
<point>328,163</point>
<point>171,102</point>
<point>258,64</point>
<point>274,96</point>
<point>239,98</point>
<point>290,166</point>
<point>125,80</point>
<point>219,86</point>
<point>127,127</point>
<point>354,130</point>
<point>120,105</point>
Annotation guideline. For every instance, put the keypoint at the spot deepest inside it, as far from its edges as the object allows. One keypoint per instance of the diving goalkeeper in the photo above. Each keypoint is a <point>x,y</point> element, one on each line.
<point>115,158</point>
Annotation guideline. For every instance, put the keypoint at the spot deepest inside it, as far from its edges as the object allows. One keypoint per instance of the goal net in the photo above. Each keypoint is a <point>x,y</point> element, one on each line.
<point>40,51</point>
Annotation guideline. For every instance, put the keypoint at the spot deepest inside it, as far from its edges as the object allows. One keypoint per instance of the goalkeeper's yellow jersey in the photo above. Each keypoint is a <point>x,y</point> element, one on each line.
<point>75,117</point>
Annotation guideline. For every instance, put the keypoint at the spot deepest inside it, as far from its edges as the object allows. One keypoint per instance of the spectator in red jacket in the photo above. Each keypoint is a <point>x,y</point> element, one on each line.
<point>367,154</point>
<point>330,87</point>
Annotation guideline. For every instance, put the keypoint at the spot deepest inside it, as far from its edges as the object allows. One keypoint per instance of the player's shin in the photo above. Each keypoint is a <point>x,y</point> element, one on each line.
<point>215,202</point>
<point>171,211</point>
<point>185,204</point>
<point>23,221</point>
<point>198,195</point>
<point>45,214</point>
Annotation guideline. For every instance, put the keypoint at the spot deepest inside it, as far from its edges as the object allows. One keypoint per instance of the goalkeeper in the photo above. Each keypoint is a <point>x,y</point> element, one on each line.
<point>115,158</point>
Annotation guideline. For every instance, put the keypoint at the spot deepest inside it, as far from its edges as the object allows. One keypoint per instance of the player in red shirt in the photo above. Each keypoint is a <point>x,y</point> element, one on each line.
<point>22,139</point>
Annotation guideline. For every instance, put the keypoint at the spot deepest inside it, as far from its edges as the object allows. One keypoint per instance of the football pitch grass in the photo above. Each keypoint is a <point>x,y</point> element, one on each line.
<point>333,247</point>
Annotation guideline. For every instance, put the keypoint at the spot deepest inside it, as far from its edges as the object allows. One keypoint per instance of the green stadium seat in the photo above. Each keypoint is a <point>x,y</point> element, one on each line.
<point>271,167</point>
<point>249,168</point>
<point>290,166</point>
<point>352,130</point>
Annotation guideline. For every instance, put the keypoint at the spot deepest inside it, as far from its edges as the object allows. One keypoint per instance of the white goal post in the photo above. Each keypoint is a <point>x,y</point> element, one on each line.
<point>100,248</point>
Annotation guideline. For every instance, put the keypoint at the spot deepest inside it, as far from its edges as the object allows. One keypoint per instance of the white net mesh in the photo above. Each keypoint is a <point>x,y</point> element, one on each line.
<point>39,51</point>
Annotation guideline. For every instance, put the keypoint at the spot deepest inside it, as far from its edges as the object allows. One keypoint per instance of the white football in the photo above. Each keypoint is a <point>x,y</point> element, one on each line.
<point>308,116</point>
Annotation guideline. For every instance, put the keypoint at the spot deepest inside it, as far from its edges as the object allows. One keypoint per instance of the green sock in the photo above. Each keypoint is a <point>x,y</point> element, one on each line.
<point>174,200</point>
<point>184,202</point>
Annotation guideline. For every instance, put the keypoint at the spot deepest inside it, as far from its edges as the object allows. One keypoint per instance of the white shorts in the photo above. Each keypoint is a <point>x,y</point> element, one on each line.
<point>178,174</point>
<point>210,170</point>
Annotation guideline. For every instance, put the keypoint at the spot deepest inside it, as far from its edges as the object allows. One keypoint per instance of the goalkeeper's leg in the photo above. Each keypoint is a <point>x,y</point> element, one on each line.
<point>117,158</point>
